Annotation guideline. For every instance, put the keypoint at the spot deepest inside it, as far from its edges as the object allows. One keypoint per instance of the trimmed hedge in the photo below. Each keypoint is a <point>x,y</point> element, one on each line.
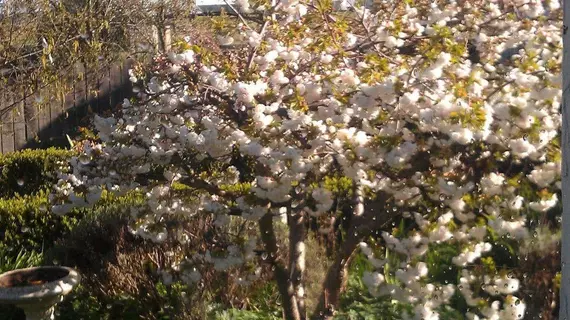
<point>25,179</point>
<point>25,225</point>
<point>28,171</point>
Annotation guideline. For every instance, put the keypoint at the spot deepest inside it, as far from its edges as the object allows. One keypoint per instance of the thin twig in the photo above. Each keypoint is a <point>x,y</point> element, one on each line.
<point>261,34</point>
<point>238,14</point>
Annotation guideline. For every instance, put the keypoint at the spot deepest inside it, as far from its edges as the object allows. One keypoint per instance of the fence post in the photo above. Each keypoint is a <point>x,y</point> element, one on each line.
<point>31,118</point>
<point>8,125</point>
<point>20,120</point>
<point>41,97</point>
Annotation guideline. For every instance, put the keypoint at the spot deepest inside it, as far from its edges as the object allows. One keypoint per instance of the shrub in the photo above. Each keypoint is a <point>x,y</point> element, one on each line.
<point>24,224</point>
<point>118,269</point>
<point>82,303</point>
<point>28,171</point>
<point>539,268</point>
<point>236,314</point>
<point>120,278</point>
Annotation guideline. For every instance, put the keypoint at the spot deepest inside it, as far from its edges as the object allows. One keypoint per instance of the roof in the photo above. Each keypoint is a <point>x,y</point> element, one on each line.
<point>213,6</point>
<point>216,6</point>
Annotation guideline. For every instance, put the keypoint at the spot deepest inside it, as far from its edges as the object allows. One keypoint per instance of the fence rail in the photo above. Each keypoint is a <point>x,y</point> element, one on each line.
<point>40,119</point>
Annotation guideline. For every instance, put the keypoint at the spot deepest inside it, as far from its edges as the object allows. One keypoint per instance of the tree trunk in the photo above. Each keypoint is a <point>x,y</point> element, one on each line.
<point>284,284</point>
<point>297,236</point>
<point>336,278</point>
<point>374,217</point>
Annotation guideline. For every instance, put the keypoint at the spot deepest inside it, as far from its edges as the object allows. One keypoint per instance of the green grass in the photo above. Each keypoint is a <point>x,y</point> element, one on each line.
<point>23,259</point>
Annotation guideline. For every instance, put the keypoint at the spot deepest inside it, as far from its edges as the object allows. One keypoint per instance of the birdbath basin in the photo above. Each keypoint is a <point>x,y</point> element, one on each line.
<point>37,290</point>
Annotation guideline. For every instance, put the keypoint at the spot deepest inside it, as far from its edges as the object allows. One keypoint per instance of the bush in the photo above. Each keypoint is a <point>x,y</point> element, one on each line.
<point>95,241</point>
<point>24,224</point>
<point>236,314</point>
<point>82,303</point>
<point>28,171</point>
<point>25,178</point>
<point>118,269</point>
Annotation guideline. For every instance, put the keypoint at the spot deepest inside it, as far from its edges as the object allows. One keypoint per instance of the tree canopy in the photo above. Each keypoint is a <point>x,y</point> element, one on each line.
<point>400,129</point>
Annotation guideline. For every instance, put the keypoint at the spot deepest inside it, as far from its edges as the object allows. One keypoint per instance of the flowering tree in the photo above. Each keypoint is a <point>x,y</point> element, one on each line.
<point>398,128</point>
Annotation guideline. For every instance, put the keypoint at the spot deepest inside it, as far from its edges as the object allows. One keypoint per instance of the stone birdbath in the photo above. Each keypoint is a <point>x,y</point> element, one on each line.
<point>37,290</point>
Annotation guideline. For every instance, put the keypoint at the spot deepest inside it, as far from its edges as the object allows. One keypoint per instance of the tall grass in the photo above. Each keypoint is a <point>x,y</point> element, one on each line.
<point>22,260</point>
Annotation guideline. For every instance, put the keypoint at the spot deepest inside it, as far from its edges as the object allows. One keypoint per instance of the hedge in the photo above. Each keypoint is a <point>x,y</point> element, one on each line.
<point>25,224</point>
<point>28,171</point>
<point>26,177</point>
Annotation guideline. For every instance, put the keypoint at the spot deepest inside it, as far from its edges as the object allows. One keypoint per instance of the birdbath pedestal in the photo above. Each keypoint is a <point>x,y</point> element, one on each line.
<point>37,290</point>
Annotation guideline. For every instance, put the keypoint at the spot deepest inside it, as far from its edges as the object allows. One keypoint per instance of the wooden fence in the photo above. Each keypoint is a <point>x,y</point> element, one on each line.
<point>40,119</point>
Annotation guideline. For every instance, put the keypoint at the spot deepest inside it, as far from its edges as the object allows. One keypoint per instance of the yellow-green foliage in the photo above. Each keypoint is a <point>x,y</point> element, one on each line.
<point>29,171</point>
<point>238,188</point>
<point>474,117</point>
<point>25,225</point>
<point>557,280</point>
<point>338,185</point>
<point>489,264</point>
<point>25,222</point>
